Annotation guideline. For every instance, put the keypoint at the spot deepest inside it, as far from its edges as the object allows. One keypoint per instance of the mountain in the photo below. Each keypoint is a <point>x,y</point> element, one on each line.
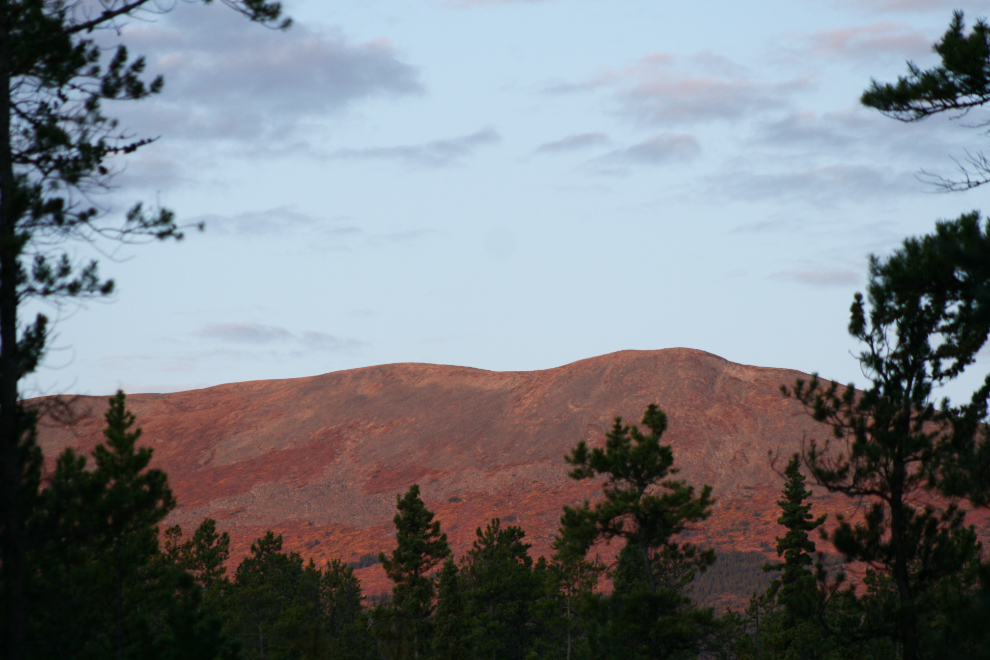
<point>321,459</point>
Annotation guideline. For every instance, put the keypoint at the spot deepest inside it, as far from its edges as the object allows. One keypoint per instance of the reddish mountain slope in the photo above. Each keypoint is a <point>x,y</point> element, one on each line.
<point>321,459</point>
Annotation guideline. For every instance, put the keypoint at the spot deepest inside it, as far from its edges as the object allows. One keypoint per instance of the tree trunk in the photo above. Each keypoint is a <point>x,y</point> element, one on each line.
<point>907,615</point>
<point>14,542</point>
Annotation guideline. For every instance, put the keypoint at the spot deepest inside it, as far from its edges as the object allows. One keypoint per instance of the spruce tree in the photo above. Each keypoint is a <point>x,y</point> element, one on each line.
<point>499,590</point>
<point>100,586</point>
<point>796,588</point>
<point>273,607</point>
<point>787,621</point>
<point>450,620</point>
<point>420,547</point>
<point>345,622</point>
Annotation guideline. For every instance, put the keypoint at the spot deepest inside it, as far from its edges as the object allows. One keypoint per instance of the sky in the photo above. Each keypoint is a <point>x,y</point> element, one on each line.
<point>509,185</point>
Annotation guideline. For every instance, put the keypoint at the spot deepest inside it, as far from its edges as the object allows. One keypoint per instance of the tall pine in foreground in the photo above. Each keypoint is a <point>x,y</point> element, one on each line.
<point>405,624</point>
<point>893,445</point>
<point>58,65</point>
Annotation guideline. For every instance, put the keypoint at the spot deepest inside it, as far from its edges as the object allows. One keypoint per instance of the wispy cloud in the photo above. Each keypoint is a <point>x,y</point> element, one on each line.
<point>840,277</point>
<point>653,91</point>
<point>904,6</point>
<point>574,143</point>
<point>868,45</point>
<point>869,42</point>
<point>479,3</point>
<point>656,151</point>
<point>673,100</point>
<point>857,132</point>
<point>433,154</point>
<point>247,333</point>
<point>339,233</point>
<point>256,333</point>
<point>827,186</point>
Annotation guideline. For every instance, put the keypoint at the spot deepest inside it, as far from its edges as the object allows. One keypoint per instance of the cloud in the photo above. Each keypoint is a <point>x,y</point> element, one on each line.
<point>228,78</point>
<point>250,333</point>
<point>670,100</point>
<point>573,143</point>
<point>610,76</point>
<point>825,186</point>
<point>712,88</point>
<point>255,333</point>
<point>399,237</point>
<point>822,277</point>
<point>655,151</point>
<point>321,341</point>
<point>433,154</point>
<point>324,234</point>
<point>869,42</point>
<point>865,44</point>
<point>904,6</point>
<point>859,132</point>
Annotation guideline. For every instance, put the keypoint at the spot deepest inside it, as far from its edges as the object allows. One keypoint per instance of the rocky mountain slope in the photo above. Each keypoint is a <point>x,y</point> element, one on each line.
<point>321,459</point>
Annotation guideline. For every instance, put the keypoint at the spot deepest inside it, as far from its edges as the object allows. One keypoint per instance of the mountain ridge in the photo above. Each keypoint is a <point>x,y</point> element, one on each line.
<point>321,458</point>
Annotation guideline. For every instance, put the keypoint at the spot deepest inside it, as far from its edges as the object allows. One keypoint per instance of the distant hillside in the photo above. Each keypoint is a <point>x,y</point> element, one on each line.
<point>321,459</point>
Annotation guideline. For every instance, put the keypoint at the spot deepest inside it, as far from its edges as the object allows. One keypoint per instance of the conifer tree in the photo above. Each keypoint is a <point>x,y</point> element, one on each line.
<point>796,588</point>
<point>273,607</point>
<point>787,621</point>
<point>926,315</point>
<point>55,143</point>
<point>647,509</point>
<point>345,622</point>
<point>499,589</point>
<point>450,621</point>
<point>568,610</point>
<point>955,86</point>
<point>99,588</point>
<point>421,546</point>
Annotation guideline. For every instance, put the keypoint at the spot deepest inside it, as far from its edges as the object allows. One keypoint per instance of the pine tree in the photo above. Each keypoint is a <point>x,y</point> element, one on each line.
<point>926,316</point>
<point>204,555</point>
<point>420,548</point>
<point>345,622</point>
<point>55,143</point>
<point>956,86</point>
<point>646,509</point>
<point>568,610</point>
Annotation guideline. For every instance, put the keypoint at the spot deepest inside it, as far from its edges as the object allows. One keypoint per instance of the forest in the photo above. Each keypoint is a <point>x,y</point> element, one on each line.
<point>87,569</point>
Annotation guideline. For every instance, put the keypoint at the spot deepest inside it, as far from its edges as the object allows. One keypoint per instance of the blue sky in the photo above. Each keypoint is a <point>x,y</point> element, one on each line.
<point>509,185</point>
